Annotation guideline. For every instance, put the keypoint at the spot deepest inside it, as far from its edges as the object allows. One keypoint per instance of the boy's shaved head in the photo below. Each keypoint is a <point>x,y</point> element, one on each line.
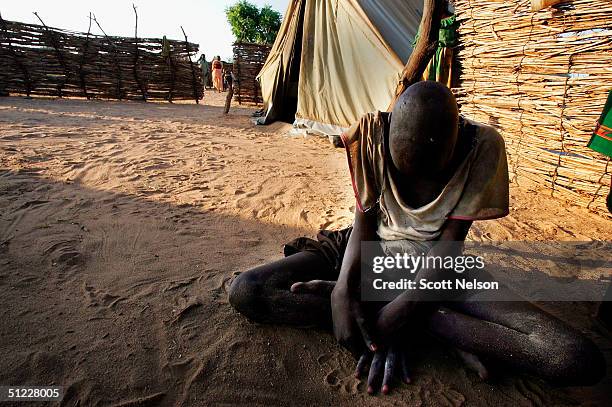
<point>423,130</point>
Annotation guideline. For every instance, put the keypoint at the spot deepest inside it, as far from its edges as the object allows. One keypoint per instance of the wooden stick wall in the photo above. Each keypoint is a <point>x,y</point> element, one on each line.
<point>248,61</point>
<point>40,60</point>
<point>542,79</point>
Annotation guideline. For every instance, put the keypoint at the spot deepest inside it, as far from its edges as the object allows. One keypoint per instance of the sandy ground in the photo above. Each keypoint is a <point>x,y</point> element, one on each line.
<point>121,223</point>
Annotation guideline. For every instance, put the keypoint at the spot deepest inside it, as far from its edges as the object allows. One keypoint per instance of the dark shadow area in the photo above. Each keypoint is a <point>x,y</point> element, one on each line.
<point>284,98</point>
<point>119,298</point>
<point>289,105</point>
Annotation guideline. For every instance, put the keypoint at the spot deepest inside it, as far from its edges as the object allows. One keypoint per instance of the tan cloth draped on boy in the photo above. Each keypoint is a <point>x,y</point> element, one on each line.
<point>478,190</point>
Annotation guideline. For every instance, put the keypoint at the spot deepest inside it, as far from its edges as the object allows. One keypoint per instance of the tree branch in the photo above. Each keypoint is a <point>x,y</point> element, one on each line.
<point>424,49</point>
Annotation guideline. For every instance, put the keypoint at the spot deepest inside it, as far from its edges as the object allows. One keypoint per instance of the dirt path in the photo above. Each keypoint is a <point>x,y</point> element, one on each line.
<point>120,224</point>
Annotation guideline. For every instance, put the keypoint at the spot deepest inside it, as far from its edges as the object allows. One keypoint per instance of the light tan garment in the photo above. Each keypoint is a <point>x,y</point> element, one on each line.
<point>217,76</point>
<point>478,190</point>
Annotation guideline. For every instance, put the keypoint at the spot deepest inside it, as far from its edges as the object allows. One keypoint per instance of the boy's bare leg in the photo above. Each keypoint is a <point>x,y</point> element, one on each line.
<point>518,334</point>
<point>604,312</point>
<point>263,294</point>
<point>523,336</point>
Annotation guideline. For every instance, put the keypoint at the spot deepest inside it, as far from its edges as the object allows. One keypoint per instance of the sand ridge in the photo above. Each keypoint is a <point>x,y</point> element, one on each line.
<point>122,222</point>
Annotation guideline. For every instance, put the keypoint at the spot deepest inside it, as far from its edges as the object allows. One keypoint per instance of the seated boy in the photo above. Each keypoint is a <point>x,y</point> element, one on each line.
<point>420,173</point>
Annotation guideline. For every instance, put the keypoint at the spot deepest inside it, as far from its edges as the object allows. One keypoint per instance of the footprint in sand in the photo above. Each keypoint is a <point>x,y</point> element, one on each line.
<point>63,253</point>
<point>96,298</point>
<point>332,378</point>
<point>185,306</point>
<point>532,392</point>
<point>434,392</point>
<point>339,368</point>
<point>324,358</point>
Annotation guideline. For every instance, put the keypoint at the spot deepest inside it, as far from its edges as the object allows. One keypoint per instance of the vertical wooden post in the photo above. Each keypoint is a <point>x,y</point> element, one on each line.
<point>425,47</point>
<point>115,60</point>
<point>237,66</point>
<point>58,53</point>
<point>83,59</point>
<point>143,91</point>
<point>230,94</point>
<point>172,76</point>
<point>193,75</point>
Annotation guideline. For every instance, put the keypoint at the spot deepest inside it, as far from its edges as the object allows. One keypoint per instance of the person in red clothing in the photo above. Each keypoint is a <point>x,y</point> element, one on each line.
<point>217,73</point>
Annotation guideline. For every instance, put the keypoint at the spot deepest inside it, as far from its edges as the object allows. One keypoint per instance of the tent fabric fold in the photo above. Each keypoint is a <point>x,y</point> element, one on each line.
<point>274,75</point>
<point>350,55</point>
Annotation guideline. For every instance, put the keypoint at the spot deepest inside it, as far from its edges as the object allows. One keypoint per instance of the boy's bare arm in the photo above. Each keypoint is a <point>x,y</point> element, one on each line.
<point>393,316</point>
<point>350,327</point>
<point>364,229</point>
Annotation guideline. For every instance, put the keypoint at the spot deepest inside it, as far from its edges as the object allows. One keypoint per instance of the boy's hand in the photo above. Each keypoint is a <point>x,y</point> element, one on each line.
<point>350,326</point>
<point>349,323</point>
<point>384,366</point>
<point>322,288</point>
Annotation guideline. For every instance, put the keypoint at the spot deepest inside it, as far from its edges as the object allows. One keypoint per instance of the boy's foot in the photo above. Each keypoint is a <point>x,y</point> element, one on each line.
<point>473,363</point>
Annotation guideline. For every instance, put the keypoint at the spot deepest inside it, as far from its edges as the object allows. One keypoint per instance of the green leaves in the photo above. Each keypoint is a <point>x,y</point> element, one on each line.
<point>269,24</point>
<point>250,24</point>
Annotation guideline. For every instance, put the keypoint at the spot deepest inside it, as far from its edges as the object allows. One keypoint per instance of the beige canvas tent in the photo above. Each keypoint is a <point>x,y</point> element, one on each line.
<point>334,60</point>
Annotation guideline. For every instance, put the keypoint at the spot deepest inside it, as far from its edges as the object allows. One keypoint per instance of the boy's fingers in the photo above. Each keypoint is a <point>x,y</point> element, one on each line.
<point>376,372</point>
<point>320,287</point>
<point>363,364</point>
<point>365,332</point>
<point>390,364</point>
<point>405,372</point>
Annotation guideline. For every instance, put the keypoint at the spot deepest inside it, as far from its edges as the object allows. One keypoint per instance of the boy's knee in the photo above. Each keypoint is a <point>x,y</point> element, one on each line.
<point>245,294</point>
<point>577,362</point>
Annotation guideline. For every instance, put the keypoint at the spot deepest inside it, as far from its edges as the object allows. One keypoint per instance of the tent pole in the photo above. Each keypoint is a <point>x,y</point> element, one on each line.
<point>424,48</point>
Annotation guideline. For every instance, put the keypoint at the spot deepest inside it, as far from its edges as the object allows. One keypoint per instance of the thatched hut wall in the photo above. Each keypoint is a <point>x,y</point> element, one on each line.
<point>39,60</point>
<point>248,61</point>
<point>542,79</point>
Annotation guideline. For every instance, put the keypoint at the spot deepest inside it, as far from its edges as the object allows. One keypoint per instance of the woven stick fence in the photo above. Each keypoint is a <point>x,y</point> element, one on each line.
<point>542,79</point>
<point>248,61</point>
<point>40,60</point>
